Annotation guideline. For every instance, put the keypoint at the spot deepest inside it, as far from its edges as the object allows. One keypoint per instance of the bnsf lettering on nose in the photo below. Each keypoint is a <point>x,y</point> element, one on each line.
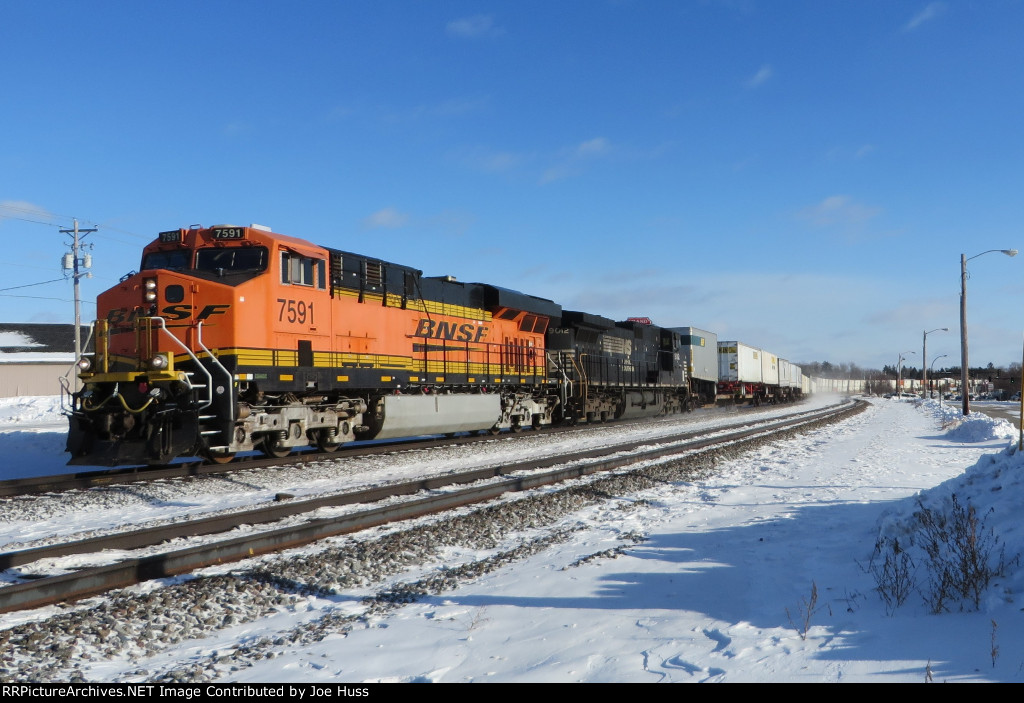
<point>171,312</point>
<point>452,331</point>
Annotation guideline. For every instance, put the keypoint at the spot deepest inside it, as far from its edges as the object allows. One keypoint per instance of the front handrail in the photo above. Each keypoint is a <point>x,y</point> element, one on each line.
<point>209,377</point>
<point>216,362</point>
<point>67,394</point>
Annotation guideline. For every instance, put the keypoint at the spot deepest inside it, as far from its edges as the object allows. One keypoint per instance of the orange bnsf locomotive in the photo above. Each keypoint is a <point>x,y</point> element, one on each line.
<point>233,339</point>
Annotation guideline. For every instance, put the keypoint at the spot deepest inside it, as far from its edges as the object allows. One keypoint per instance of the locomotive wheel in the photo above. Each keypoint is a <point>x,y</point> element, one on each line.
<point>324,443</point>
<point>269,447</point>
<point>218,457</point>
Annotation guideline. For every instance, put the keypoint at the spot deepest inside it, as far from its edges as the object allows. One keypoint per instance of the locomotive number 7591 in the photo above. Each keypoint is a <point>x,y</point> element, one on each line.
<point>295,311</point>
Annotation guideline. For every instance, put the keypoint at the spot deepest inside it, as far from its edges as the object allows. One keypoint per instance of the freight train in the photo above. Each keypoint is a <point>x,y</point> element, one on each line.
<point>232,339</point>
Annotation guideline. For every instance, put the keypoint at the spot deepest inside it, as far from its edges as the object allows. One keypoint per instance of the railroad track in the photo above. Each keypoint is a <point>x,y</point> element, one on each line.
<point>444,493</point>
<point>102,478</point>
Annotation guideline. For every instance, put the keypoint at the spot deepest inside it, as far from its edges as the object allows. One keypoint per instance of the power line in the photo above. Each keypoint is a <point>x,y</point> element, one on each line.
<point>44,297</point>
<point>29,285</point>
<point>39,212</point>
<point>25,266</point>
<point>24,219</point>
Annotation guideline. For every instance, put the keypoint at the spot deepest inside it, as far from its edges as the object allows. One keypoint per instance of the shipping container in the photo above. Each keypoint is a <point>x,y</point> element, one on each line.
<point>769,369</point>
<point>698,350</point>
<point>739,362</point>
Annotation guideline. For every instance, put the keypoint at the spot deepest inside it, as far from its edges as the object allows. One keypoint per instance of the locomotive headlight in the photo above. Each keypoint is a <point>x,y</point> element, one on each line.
<point>159,362</point>
<point>149,286</point>
<point>84,364</point>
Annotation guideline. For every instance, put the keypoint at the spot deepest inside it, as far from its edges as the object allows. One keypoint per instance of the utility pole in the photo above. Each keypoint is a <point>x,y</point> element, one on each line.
<point>75,262</point>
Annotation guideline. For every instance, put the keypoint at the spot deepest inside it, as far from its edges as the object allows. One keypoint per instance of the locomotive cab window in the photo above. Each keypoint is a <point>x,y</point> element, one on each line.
<point>223,260</point>
<point>301,270</point>
<point>174,260</point>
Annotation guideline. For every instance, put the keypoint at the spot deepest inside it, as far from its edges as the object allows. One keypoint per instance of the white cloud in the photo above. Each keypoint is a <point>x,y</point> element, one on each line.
<point>846,153</point>
<point>388,218</point>
<point>570,161</point>
<point>558,173</point>
<point>930,12</point>
<point>761,77</point>
<point>238,129</point>
<point>23,210</point>
<point>472,27</point>
<point>838,210</point>
<point>488,161</point>
<point>453,107</point>
<point>864,151</point>
<point>594,147</point>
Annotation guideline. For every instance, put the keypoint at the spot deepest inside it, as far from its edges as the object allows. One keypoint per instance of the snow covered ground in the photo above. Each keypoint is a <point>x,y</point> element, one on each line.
<point>765,572</point>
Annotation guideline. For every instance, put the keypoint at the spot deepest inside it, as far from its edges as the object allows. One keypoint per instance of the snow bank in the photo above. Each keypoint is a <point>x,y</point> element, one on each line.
<point>976,427</point>
<point>989,487</point>
<point>30,410</point>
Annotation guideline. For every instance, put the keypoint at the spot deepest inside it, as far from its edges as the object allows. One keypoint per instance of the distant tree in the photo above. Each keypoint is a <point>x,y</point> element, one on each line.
<point>843,369</point>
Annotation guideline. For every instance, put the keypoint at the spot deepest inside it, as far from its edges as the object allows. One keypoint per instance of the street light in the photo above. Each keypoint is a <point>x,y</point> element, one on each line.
<point>899,374</point>
<point>963,323</point>
<point>924,357</point>
<point>932,367</point>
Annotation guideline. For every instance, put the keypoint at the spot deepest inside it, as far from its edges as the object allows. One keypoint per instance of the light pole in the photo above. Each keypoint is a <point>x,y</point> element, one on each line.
<point>940,390</point>
<point>964,394</point>
<point>924,357</point>
<point>899,374</point>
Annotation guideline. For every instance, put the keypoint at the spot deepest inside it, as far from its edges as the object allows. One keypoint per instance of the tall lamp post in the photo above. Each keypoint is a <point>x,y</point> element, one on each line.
<point>964,393</point>
<point>940,390</point>
<point>899,374</point>
<point>924,358</point>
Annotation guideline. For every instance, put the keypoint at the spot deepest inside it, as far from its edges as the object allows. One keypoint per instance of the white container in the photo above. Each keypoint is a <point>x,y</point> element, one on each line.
<point>699,349</point>
<point>769,369</point>
<point>741,363</point>
<point>785,374</point>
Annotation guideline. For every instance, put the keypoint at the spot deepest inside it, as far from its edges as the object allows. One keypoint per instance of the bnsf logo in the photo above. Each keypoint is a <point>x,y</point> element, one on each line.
<point>171,312</point>
<point>439,329</point>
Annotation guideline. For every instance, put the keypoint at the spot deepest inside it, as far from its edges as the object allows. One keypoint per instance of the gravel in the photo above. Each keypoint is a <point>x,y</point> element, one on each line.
<point>140,622</point>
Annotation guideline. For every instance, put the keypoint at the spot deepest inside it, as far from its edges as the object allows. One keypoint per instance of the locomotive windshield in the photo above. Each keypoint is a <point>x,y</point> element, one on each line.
<point>174,260</point>
<point>232,260</point>
<point>235,263</point>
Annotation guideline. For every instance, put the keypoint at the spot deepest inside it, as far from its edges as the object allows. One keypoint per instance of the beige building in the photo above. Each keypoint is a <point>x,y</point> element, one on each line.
<point>35,357</point>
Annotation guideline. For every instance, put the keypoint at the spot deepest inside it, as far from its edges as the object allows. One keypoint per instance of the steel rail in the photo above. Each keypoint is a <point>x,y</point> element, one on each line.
<point>145,537</point>
<point>101,478</point>
<point>96,580</point>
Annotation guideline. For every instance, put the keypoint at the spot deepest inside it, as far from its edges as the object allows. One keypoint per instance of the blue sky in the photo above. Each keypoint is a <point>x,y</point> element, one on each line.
<point>799,175</point>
